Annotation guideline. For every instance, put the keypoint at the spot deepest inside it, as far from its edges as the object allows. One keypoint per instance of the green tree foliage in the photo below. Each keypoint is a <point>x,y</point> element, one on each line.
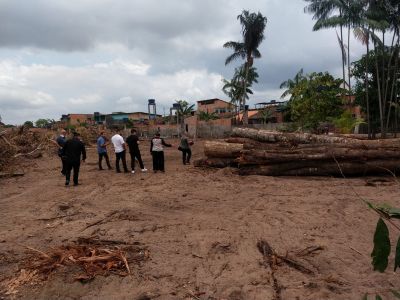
<point>253,27</point>
<point>44,123</point>
<point>346,122</point>
<point>364,71</point>
<point>234,88</point>
<point>315,98</point>
<point>266,115</point>
<point>185,109</point>
<point>382,247</point>
<point>205,116</point>
<point>28,124</point>
<point>291,83</point>
<point>380,254</point>
<point>342,14</point>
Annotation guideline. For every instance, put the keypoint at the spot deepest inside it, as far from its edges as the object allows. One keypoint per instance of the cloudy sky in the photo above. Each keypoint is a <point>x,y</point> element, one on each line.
<point>69,56</point>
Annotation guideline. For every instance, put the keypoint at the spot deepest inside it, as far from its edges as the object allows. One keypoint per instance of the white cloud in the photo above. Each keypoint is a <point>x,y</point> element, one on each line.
<point>62,89</point>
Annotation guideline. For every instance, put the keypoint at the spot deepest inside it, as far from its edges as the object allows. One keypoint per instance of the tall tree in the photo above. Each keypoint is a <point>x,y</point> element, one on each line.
<point>291,83</point>
<point>337,13</point>
<point>253,27</point>
<point>184,110</point>
<point>234,88</point>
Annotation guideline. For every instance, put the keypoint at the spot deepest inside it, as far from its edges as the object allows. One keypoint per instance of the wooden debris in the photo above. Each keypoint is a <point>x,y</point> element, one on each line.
<point>93,260</point>
<point>309,251</point>
<point>273,259</point>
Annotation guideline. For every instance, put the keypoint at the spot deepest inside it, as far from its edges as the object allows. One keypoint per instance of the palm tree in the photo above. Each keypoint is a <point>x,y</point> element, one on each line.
<point>322,9</point>
<point>234,88</point>
<point>266,115</point>
<point>333,13</point>
<point>184,110</point>
<point>291,83</point>
<point>253,26</point>
<point>205,116</point>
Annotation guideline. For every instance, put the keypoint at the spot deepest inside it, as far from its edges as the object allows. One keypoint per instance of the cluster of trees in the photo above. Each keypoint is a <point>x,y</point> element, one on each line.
<point>313,99</point>
<point>40,123</point>
<point>376,24</point>
<point>238,88</point>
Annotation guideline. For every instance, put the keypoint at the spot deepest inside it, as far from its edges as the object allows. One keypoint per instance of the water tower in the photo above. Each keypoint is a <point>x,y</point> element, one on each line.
<point>175,107</point>
<point>152,109</point>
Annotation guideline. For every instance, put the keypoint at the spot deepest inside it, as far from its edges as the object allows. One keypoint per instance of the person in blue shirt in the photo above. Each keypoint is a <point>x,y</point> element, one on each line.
<point>102,150</point>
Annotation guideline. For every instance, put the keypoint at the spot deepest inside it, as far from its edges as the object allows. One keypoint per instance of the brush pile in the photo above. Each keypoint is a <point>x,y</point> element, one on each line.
<point>23,142</point>
<point>84,260</point>
<point>260,152</point>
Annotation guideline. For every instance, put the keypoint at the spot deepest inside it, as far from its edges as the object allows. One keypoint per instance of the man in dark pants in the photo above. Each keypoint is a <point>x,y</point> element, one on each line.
<point>133,143</point>
<point>102,150</point>
<point>61,139</point>
<point>72,151</point>
<point>120,151</point>
<point>185,148</point>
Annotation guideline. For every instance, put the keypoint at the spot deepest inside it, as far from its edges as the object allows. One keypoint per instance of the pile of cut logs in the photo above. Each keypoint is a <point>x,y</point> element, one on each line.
<point>260,152</point>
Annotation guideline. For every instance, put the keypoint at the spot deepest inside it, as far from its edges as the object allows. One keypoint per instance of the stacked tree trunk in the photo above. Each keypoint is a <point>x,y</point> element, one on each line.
<point>260,152</point>
<point>220,154</point>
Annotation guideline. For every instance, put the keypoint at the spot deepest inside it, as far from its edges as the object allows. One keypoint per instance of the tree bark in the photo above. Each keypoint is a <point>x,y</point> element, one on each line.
<point>222,149</point>
<point>367,89</point>
<point>260,157</point>
<point>305,138</point>
<point>315,168</point>
<point>215,162</point>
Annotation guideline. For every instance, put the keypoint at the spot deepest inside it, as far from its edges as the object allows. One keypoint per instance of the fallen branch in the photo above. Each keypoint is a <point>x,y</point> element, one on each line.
<point>27,154</point>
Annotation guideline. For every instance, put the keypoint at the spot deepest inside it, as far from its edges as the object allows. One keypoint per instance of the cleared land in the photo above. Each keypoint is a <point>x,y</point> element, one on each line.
<point>200,228</point>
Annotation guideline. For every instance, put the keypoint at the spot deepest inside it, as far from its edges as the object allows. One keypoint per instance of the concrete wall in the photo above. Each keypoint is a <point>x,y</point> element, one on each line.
<point>208,129</point>
<point>75,119</point>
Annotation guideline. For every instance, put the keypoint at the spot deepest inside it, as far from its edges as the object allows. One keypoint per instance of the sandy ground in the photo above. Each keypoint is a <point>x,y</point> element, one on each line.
<point>201,228</point>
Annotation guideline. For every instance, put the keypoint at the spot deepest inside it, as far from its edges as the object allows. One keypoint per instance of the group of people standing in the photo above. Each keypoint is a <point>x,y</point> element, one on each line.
<point>72,150</point>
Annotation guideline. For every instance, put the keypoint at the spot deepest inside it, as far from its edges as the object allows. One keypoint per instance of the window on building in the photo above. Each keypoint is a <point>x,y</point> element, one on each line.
<point>220,110</point>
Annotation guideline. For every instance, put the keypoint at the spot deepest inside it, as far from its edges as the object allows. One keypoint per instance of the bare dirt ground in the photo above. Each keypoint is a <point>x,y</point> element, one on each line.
<point>201,228</point>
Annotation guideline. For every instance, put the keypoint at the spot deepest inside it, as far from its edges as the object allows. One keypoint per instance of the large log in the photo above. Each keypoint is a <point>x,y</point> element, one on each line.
<point>315,168</point>
<point>222,149</point>
<point>263,157</point>
<point>306,138</point>
<point>215,162</point>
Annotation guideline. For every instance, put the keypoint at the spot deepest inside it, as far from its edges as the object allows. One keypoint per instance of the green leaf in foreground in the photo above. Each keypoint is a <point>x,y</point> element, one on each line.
<point>397,257</point>
<point>396,294</point>
<point>381,250</point>
<point>365,297</point>
<point>378,297</point>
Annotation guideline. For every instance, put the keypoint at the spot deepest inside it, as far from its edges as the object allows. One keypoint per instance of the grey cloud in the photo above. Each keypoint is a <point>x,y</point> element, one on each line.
<point>171,37</point>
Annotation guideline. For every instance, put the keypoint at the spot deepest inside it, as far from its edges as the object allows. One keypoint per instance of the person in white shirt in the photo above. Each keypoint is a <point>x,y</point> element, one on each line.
<point>120,151</point>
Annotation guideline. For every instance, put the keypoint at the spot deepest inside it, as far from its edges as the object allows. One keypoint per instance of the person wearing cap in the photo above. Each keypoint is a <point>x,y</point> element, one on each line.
<point>133,144</point>
<point>102,150</point>
<point>60,141</point>
<point>157,151</point>
<point>72,151</point>
<point>120,150</point>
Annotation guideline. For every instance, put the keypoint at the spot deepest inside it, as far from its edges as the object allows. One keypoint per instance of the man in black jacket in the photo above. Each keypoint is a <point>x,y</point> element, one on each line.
<point>133,143</point>
<point>72,151</point>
